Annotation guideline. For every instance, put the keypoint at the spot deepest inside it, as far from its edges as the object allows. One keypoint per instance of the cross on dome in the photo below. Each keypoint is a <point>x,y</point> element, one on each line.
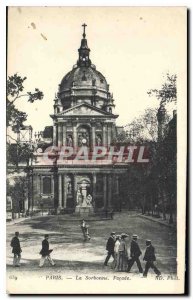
<point>84,60</point>
<point>84,26</point>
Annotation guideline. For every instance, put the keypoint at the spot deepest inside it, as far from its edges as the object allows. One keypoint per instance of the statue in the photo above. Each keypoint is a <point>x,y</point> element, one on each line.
<point>69,188</point>
<point>80,140</point>
<point>83,199</point>
<point>69,140</point>
<point>79,198</point>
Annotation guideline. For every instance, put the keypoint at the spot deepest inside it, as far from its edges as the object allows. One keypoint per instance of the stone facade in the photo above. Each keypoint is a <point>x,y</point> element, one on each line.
<point>83,116</point>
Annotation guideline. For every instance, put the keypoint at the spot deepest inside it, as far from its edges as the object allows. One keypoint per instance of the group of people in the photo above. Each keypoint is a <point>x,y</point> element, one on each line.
<point>44,252</point>
<point>117,248</point>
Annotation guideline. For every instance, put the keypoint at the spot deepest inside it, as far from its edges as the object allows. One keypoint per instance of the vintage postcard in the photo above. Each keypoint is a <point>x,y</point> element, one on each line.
<point>96,150</point>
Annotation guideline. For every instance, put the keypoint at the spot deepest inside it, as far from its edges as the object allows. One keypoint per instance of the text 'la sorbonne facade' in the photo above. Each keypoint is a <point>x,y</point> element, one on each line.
<point>83,116</point>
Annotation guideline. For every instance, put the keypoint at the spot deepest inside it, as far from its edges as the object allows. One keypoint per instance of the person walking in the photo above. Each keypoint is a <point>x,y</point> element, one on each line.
<point>149,257</point>
<point>116,250</point>
<point>135,253</point>
<point>45,252</point>
<point>110,247</point>
<point>122,258</point>
<point>84,226</point>
<point>16,250</point>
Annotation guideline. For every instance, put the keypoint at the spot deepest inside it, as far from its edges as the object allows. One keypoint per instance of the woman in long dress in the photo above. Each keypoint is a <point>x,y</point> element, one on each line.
<point>116,251</point>
<point>122,258</point>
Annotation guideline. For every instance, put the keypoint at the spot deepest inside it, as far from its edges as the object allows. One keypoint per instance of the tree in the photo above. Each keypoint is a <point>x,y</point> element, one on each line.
<point>16,151</point>
<point>17,190</point>
<point>154,184</point>
<point>168,91</point>
<point>15,87</point>
<point>143,128</point>
<point>121,137</point>
<point>19,153</point>
<point>165,174</point>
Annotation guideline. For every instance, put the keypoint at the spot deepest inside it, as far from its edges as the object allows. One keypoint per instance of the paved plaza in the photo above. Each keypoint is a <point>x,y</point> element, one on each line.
<point>71,254</point>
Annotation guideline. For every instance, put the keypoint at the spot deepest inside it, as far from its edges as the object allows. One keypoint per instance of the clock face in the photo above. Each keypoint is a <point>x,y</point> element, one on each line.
<point>84,141</point>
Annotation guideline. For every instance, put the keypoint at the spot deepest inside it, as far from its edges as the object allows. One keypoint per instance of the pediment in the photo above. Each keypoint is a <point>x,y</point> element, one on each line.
<point>84,109</point>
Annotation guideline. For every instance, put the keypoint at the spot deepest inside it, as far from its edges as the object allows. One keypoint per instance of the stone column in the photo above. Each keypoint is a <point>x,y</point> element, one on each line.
<point>109,129</point>
<point>105,135</point>
<point>94,188</point>
<point>59,190</point>
<point>105,190</point>
<point>55,170</point>
<point>52,188</point>
<point>74,184</point>
<point>55,135</point>
<point>35,192</point>
<point>64,135</point>
<point>60,137</point>
<point>41,184</point>
<point>109,191</point>
<point>64,190</point>
<point>75,136</point>
<point>93,139</point>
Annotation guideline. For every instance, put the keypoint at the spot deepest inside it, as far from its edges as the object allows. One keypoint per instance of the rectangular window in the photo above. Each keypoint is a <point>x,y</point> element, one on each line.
<point>46,185</point>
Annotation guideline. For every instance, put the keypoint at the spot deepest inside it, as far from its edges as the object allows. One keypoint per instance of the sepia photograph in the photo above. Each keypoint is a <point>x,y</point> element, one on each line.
<point>96,150</point>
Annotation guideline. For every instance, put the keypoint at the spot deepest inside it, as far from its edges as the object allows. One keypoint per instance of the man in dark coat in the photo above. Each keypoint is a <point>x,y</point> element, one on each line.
<point>149,257</point>
<point>45,252</point>
<point>135,252</point>
<point>15,244</point>
<point>110,247</point>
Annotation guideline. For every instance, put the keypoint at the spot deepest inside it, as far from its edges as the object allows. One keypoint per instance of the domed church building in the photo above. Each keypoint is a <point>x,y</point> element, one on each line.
<point>83,117</point>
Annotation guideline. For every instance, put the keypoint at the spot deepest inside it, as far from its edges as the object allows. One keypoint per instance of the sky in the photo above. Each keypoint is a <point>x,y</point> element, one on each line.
<point>133,47</point>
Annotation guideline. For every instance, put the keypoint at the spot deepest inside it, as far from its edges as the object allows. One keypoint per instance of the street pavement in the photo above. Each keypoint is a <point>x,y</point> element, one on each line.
<point>72,254</point>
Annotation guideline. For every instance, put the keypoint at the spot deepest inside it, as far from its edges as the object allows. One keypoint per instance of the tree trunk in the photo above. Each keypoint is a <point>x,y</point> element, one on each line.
<point>143,204</point>
<point>163,203</point>
<point>152,208</point>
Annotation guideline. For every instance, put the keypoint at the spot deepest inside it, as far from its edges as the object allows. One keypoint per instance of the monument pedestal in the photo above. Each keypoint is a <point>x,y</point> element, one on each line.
<point>84,210</point>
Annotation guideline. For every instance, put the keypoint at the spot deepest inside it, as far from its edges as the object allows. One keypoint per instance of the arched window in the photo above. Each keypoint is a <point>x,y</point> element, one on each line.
<point>46,185</point>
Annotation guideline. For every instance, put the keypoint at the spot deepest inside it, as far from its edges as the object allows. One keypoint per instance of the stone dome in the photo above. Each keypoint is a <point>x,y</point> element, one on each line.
<point>83,77</point>
<point>84,84</point>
